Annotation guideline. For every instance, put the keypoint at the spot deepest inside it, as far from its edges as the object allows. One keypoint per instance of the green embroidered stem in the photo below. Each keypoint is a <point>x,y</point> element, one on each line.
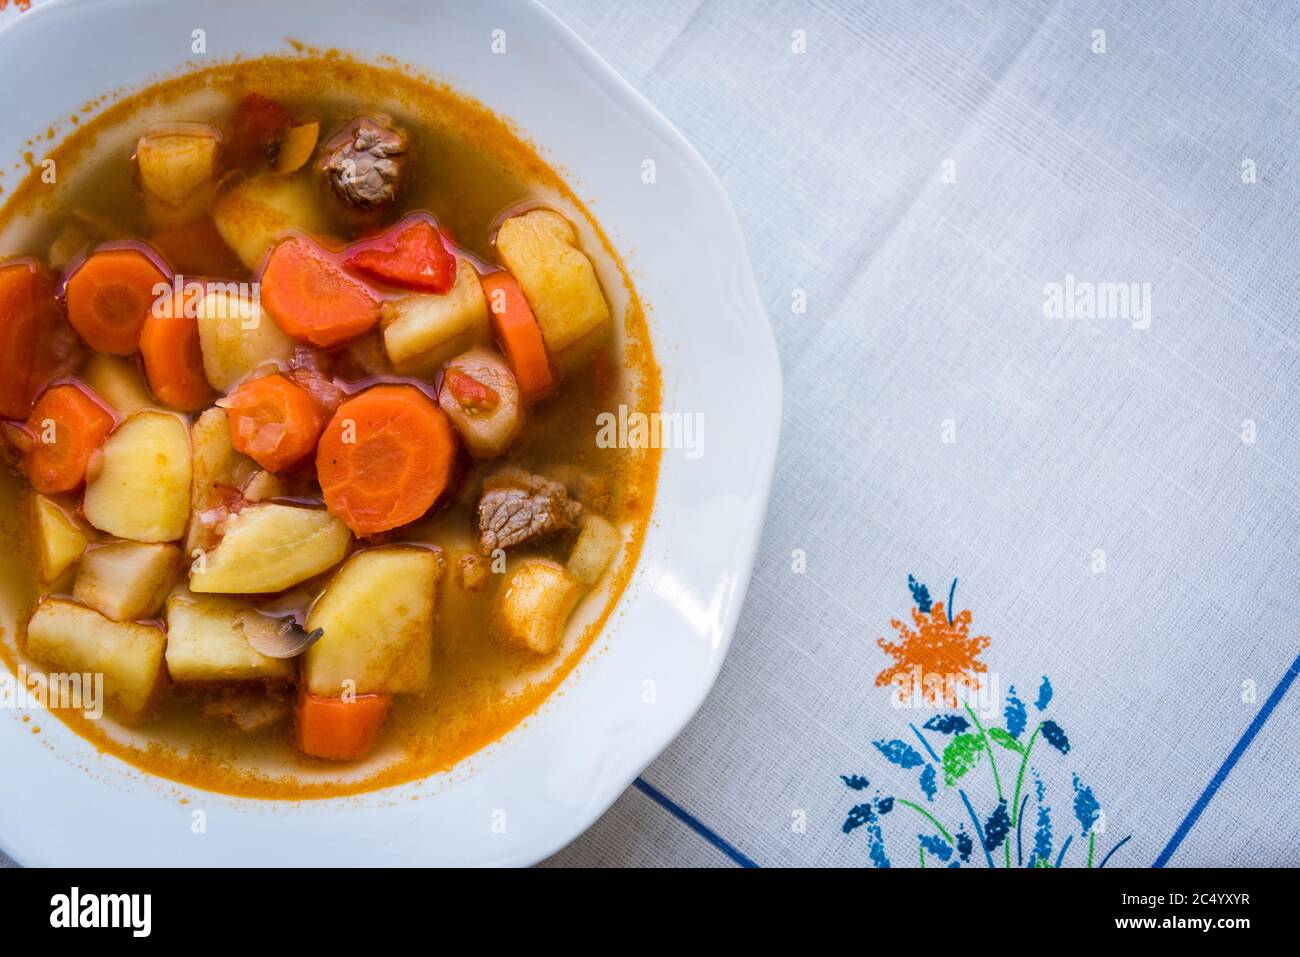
<point>922,850</point>
<point>929,817</point>
<point>993,763</point>
<point>1020,778</point>
<point>988,746</point>
<point>1092,844</point>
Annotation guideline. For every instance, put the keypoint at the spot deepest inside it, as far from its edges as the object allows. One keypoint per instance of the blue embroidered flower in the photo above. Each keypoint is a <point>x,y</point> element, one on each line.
<point>996,827</point>
<point>1015,713</point>
<point>1044,694</point>
<point>1043,835</point>
<point>1056,737</point>
<point>964,845</point>
<point>884,805</point>
<point>876,841</point>
<point>929,782</point>
<point>920,594</point>
<point>1086,806</point>
<point>855,781</point>
<point>936,846</point>
<point>859,815</point>
<point>900,753</point>
<point>947,724</point>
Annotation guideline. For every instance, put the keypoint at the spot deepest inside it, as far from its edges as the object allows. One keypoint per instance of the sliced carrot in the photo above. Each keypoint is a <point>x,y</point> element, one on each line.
<point>109,297</point>
<point>385,457</point>
<point>66,426</point>
<point>173,362</point>
<point>339,729</point>
<point>36,344</point>
<point>411,255</point>
<point>516,329</point>
<point>59,350</point>
<point>273,421</point>
<point>313,300</point>
<point>197,249</point>
<point>18,293</point>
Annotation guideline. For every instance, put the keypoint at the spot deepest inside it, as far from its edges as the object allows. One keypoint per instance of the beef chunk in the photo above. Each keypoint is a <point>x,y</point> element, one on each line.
<point>518,506</point>
<point>363,164</point>
<point>249,709</point>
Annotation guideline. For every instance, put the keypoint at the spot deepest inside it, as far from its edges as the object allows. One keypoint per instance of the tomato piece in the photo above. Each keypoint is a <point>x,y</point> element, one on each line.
<point>257,123</point>
<point>411,255</point>
<point>472,394</point>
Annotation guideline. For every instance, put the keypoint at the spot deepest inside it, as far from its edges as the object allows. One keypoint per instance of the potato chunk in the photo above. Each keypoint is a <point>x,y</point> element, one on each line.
<point>178,165</point>
<point>118,382</point>
<point>164,217</point>
<point>263,485</point>
<point>206,642</point>
<point>60,538</point>
<point>597,543</point>
<point>216,463</point>
<point>142,489</point>
<point>65,636</point>
<point>270,547</point>
<point>217,469</point>
<point>540,250</point>
<point>258,211</point>
<point>534,605</point>
<point>72,237</point>
<point>422,332</point>
<point>377,614</point>
<point>297,146</point>
<point>177,159</point>
<point>127,580</point>
<point>236,338</point>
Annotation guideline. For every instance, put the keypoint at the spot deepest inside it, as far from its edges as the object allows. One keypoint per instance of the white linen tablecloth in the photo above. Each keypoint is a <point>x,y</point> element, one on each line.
<point>1117,497</point>
<point>1118,502</point>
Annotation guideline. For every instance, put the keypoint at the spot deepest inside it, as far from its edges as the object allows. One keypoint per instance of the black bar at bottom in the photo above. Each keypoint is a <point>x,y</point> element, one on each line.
<point>342,905</point>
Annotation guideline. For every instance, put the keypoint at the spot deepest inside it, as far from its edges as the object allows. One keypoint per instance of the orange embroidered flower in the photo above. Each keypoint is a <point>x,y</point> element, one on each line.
<point>942,652</point>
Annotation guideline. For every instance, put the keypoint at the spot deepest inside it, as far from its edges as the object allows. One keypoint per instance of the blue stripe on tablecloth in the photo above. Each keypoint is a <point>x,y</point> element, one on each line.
<point>691,821</point>
<point>1228,764</point>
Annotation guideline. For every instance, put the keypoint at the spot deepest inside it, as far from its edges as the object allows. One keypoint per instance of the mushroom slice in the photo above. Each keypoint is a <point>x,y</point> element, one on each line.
<point>277,637</point>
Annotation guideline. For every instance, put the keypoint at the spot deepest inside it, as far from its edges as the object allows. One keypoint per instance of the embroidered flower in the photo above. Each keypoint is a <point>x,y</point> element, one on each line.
<point>936,846</point>
<point>1015,713</point>
<point>929,782</point>
<point>1043,835</point>
<point>1086,806</point>
<point>1044,694</point>
<point>900,753</point>
<point>997,827</point>
<point>944,651</point>
<point>944,657</point>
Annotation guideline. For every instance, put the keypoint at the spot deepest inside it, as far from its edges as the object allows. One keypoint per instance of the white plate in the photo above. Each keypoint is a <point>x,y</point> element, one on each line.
<point>551,778</point>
